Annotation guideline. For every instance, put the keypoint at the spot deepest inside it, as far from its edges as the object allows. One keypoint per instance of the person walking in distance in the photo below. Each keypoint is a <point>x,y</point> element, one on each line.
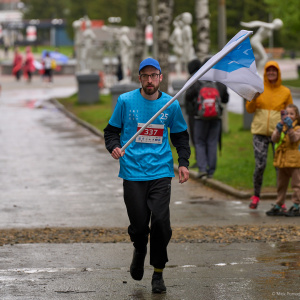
<point>17,64</point>
<point>146,166</point>
<point>287,159</point>
<point>206,98</point>
<point>29,64</point>
<point>48,67</point>
<point>266,108</point>
<point>190,100</point>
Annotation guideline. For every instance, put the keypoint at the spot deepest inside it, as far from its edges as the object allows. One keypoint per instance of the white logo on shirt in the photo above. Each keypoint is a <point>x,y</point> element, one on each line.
<point>133,115</point>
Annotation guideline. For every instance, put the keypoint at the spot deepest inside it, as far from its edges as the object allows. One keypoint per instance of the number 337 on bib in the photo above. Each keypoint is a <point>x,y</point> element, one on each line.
<point>153,134</point>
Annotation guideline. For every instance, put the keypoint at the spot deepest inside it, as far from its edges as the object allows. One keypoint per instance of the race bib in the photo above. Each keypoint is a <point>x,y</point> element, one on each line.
<point>153,134</point>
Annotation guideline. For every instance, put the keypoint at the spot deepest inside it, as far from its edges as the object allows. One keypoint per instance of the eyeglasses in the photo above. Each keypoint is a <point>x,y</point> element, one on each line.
<point>153,76</point>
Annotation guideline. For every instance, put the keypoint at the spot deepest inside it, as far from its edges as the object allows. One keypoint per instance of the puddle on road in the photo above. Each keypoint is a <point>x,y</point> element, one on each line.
<point>274,275</point>
<point>292,259</point>
<point>283,278</point>
<point>58,126</point>
<point>37,270</point>
<point>71,131</point>
<point>288,256</point>
<point>30,103</point>
<point>236,289</point>
<point>196,197</point>
<point>200,200</point>
<point>209,201</point>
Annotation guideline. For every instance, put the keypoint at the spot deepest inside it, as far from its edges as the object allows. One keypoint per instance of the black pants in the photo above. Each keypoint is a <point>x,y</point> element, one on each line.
<point>48,73</point>
<point>145,201</point>
<point>18,75</point>
<point>29,75</point>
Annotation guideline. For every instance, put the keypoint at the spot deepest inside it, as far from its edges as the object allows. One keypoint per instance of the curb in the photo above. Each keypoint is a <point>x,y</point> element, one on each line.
<point>220,186</point>
<point>210,182</point>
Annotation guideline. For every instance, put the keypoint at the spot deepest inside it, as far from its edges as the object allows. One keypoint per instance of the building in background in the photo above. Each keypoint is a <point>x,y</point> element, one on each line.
<point>14,30</point>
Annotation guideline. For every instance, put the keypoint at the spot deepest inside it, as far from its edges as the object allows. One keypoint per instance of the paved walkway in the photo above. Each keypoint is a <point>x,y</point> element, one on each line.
<point>55,173</point>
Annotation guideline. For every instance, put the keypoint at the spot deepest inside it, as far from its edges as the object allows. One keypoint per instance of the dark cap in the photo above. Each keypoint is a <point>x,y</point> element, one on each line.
<point>150,62</point>
<point>194,65</point>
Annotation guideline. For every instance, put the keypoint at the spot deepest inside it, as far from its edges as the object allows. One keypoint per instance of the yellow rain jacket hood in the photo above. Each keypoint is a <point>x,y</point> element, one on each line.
<point>267,106</point>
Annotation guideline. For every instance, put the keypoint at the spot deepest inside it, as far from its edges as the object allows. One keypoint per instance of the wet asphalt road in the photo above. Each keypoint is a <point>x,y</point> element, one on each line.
<point>55,173</point>
<point>195,271</point>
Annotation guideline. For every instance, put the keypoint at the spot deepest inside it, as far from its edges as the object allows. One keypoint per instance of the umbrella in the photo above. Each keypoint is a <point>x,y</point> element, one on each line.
<point>57,56</point>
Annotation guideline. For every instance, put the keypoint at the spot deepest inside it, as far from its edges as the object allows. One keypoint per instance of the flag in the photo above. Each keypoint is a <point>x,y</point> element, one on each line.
<point>233,67</point>
<point>237,69</point>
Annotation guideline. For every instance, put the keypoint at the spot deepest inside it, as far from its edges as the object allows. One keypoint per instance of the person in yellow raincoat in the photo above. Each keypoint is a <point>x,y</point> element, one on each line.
<point>266,108</point>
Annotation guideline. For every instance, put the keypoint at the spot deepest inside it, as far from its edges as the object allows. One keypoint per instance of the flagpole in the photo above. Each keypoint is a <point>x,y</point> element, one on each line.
<point>189,83</point>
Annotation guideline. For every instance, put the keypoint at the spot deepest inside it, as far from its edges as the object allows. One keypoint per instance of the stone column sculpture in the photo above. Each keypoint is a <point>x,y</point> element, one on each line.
<point>88,49</point>
<point>187,37</point>
<point>125,52</point>
<point>176,40</point>
<point>77,42</point>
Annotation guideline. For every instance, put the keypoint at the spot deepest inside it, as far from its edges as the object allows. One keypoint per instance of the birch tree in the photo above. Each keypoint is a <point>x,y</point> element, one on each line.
<point>165,13</point>
<point>203,28</point>
<point>141,22</point>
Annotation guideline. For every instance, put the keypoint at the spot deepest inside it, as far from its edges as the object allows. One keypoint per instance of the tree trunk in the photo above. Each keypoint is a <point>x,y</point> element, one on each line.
<point>165,13</point>
<point>203,28</point>
<point>222,24</point>
<point>141,14</point>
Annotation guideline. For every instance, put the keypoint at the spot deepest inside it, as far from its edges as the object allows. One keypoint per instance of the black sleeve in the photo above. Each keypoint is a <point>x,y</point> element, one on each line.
<point>191,95</point>
<point>112,137</point>
<point>180,141</point>
<point>223,92</point>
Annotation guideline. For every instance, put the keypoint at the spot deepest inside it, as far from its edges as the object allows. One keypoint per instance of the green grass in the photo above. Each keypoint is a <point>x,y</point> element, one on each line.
<point>97,114</point>
<point>66,50</point>
<point>235,165</point>
<point>293,83</point>
<point>235,162</point>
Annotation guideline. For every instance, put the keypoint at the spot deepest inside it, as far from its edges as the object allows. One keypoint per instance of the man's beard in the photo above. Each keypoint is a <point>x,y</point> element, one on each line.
<point>151,91</point>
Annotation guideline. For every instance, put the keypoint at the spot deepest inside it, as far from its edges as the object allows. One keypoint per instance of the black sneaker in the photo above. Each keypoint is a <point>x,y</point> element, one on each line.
<point>158,286</point>
<point>274,211</point>
<point>293,212</point>
<point>137,264</point>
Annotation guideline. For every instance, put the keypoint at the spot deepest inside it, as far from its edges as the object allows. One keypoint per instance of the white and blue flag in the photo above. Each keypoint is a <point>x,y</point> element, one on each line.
<point>237,69</point>
<point>233,66</point>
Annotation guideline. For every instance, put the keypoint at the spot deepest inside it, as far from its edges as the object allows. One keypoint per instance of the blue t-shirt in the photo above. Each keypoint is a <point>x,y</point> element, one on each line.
<point>146,161</point>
